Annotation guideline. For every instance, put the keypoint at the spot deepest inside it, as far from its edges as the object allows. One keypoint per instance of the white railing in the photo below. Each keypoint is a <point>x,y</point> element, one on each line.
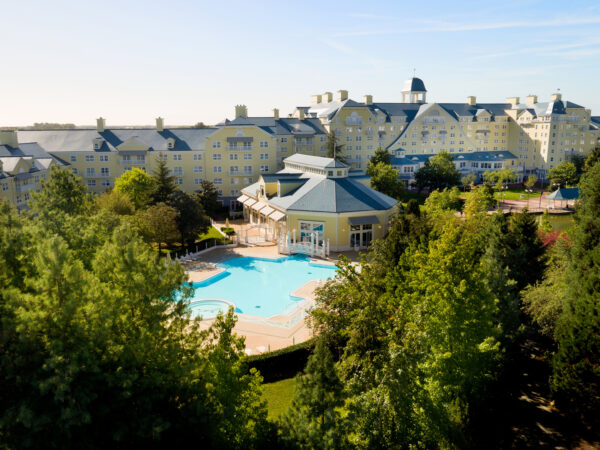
<point>289,245</point>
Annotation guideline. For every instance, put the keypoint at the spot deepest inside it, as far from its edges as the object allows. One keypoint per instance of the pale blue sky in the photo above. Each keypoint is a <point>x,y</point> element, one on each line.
<point>189,61</point>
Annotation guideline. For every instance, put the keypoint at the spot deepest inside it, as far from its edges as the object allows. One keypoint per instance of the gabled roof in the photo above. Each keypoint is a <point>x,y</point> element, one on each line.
<point>82,140</point>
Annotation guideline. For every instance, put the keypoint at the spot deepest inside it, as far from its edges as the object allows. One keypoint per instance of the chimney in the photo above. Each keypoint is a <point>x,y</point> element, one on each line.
<point>368,99</point>
<point>100,124</point>
<point>513,101</point>
<point>241,111</point>
<point>556,97</point>
<point>316,99</point>
<point>471,100</point>
<point>275,113</point>
<point>160,124</point>
<point>531,100</point>
<point>301,114</point>
<point>342,95</point>
<point>9,137</point>
<point>327,97</point>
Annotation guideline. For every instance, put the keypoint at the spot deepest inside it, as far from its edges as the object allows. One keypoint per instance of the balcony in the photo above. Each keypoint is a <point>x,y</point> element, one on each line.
<point>24,187</point>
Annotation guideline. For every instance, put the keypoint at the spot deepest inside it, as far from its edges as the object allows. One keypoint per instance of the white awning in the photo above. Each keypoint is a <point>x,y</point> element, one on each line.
<point>277,216</point>
<point>242,198</point>
<point>249,202</point>
<point>266,211</point>
<point>258,206</point>
<point>363,220</point>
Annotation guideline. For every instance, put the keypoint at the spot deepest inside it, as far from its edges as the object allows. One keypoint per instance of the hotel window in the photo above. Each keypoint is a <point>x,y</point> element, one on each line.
<point>218,181</point>
<point>463,164</point>
<point>264,168</point>
<point>234,192</point>
<point>197,156</point>
<point>4,186</point>
<point>348,138</point>
<point>248,180</point>
<point>73,158</point>
<point>197,169</point>
<point>216,157</point>
<point>197,181</point>
<point>233,181</point>
<point>264,144</point>
<point>234,169</point>
<point>308,228</point>
<point>177,157</point>
<point>248,156</point>
<point>247,170</point>
<point>89,158</point>
<point>264,156</point>
<point>178,171</point>
<point>75,171</point>
<point>104,171</point>
<point>233,157</point>
<point>103,158</point>
<point>409,169</point>
<point>217,169</point>
<point>246,145</point>
<point>91,183</point>
<point>283,139</point>
<point>19,199</point>
<point>105,183</point>
<point>216,144</point>
<point>90,172</point>
<point>179,181</point>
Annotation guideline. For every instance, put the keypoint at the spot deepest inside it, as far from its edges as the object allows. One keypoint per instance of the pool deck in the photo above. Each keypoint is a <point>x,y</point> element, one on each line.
<point>263,334</point>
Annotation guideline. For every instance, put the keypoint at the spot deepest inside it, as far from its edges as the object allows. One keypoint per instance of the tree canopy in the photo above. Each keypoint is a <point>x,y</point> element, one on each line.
<point>98,349</point>
<point>438,172</point>
<point>386,179</point>
<point>563,174</point>
<point>138,185</point>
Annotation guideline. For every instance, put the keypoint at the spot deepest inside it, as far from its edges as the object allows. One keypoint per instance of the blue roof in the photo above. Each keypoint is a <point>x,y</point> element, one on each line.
<point>414,84</point>
<point>564,194</point>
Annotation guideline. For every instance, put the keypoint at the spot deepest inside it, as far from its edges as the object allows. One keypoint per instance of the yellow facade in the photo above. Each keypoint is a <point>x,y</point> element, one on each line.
<point>539,135</point>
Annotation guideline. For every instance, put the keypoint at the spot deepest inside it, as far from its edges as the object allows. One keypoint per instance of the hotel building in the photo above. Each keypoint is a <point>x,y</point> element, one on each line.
<point>528,137</point>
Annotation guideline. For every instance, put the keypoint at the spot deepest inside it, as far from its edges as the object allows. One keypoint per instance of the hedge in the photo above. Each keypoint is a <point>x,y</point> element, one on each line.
<point>284,363</point>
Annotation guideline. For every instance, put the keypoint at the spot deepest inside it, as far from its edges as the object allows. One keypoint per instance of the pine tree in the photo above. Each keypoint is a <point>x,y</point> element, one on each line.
<point>314,420</point>
<point>576,365</point>
<point>164,183</point>
<point>334,150</point>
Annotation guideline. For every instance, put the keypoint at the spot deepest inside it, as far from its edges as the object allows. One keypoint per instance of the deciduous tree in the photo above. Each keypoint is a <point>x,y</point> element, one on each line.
<point>138,185</point>
<point>438,172</point>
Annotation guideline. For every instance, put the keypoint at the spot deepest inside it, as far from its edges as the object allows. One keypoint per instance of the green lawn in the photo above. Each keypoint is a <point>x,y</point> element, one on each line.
<point>515,194</point>
<point>279,396</point>
<point>212,233</point>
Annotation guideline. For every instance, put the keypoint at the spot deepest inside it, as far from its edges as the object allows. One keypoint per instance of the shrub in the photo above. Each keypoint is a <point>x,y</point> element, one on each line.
<point>283,363</point>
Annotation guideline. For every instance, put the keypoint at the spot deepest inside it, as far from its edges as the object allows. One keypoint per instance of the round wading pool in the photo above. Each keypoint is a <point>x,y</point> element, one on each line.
<point>209,308</point>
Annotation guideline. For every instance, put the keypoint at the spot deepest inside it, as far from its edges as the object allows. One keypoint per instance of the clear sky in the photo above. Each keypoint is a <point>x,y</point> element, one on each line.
<point>190,61</point>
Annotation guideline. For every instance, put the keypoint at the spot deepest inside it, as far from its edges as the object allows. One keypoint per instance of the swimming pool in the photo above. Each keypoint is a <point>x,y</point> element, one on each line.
<point>259,286</point>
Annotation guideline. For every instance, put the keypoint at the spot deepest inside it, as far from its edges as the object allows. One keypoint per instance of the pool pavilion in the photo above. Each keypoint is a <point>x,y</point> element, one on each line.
<point>315,205</point>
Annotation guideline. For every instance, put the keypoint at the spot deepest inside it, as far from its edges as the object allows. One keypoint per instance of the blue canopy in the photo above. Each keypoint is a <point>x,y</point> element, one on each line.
<point>564,194</point>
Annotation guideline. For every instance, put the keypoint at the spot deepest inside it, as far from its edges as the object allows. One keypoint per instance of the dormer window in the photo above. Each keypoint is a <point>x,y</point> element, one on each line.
<point>98,142</point>
<point>170,143</point>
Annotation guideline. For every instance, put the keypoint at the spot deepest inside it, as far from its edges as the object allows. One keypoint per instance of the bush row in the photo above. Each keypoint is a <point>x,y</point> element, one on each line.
<point>283,363</point>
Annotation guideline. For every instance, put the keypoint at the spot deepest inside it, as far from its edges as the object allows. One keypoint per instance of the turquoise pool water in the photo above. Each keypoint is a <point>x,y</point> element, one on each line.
<point>259,286</point>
